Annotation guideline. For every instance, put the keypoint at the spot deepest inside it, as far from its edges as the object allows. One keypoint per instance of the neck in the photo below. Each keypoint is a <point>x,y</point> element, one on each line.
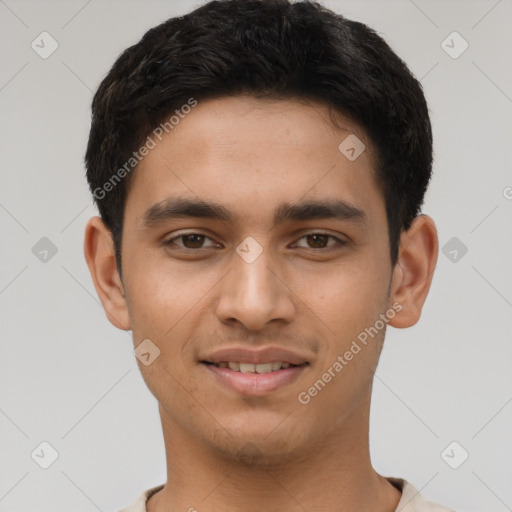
<point>335,474</point>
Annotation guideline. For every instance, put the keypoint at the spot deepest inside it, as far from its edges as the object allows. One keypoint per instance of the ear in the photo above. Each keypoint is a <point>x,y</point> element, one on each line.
<point>100,256</point>
<point>414,270</point>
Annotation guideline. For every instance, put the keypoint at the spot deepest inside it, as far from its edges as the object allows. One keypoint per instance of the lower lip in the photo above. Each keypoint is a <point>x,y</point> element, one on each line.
<point>256,384</point>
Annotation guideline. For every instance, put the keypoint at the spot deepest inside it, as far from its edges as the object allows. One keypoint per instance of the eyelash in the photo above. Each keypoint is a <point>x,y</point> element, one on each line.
<point>339,243</point>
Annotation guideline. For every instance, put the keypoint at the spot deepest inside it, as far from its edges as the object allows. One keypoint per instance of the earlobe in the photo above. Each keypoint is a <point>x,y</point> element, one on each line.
<point>414,270</point>
<point>100,256</point>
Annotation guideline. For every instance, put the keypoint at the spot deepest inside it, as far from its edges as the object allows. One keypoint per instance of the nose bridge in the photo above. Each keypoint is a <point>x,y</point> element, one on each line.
<point>252,293</point>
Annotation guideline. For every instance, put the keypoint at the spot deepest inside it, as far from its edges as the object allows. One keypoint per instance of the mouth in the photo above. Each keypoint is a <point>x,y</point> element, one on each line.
<point>260,368</point>
<point>254,371</point>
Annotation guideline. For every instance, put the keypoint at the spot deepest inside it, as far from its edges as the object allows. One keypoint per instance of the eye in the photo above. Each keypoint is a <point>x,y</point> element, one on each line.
<point>318,241</point>
<point>195,241</point>
<point>190,241</point>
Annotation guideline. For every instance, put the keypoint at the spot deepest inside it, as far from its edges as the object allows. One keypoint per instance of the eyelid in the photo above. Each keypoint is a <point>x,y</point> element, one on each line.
<point>170,241</point>
<point>339,242</point>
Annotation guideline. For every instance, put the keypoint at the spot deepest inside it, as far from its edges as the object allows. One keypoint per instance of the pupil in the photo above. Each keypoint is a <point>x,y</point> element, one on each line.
<point>195,243</point>
<point>323,238</point>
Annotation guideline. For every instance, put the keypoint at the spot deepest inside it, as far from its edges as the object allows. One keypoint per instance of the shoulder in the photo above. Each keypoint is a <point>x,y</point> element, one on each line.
<point>412,500</point>
<point>139,505</point>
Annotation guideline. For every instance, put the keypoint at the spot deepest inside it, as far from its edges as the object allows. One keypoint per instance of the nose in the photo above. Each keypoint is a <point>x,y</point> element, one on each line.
<point>255,293</point>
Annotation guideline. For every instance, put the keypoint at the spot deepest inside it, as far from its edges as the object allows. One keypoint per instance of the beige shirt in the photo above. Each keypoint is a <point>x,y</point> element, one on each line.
<point>411,500</point>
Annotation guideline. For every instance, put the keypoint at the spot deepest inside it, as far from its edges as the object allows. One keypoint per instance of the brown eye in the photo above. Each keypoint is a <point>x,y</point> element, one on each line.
<point>193,241</point>
<point>190,242</point>
<point>318,241</point>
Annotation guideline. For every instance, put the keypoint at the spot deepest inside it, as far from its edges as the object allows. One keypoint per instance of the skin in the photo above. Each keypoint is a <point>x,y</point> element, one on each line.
<point>226,451</point>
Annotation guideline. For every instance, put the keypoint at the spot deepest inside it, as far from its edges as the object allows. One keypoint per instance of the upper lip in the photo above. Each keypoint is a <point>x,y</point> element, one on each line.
<point>255,356</point>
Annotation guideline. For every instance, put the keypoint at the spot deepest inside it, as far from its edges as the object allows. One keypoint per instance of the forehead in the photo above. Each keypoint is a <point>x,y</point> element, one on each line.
<point>252,156</point>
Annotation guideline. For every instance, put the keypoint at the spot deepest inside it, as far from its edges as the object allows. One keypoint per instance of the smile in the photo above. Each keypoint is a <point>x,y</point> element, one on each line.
<point>252,379</point>
<point>253,368</point>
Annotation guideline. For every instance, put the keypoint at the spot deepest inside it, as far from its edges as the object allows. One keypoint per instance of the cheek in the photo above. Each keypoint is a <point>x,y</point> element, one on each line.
<point>161,298</point>
<point>346,297</point>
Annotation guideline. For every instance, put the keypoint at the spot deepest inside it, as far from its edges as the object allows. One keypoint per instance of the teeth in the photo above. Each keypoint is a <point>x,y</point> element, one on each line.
<point>247,367</point>
<point>254,368</point>
<point>263,368</point>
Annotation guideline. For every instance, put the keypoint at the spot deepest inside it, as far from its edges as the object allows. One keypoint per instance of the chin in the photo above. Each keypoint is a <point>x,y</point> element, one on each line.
<point>262,444</point>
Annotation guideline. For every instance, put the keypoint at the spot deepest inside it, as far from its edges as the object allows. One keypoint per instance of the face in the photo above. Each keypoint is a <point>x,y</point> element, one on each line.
<point>251,278</point>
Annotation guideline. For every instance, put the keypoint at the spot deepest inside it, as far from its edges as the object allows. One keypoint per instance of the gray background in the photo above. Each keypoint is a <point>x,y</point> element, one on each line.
<point>68,377</point>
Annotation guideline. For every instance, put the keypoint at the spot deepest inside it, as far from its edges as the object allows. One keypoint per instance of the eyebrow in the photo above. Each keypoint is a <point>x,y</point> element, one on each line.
<point>178,207</point>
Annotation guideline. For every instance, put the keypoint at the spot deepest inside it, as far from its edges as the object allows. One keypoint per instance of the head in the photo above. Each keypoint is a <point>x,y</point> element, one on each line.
<point>305,144</point>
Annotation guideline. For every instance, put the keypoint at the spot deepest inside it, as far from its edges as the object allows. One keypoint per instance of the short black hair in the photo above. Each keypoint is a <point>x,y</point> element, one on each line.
<point>272,49</point>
